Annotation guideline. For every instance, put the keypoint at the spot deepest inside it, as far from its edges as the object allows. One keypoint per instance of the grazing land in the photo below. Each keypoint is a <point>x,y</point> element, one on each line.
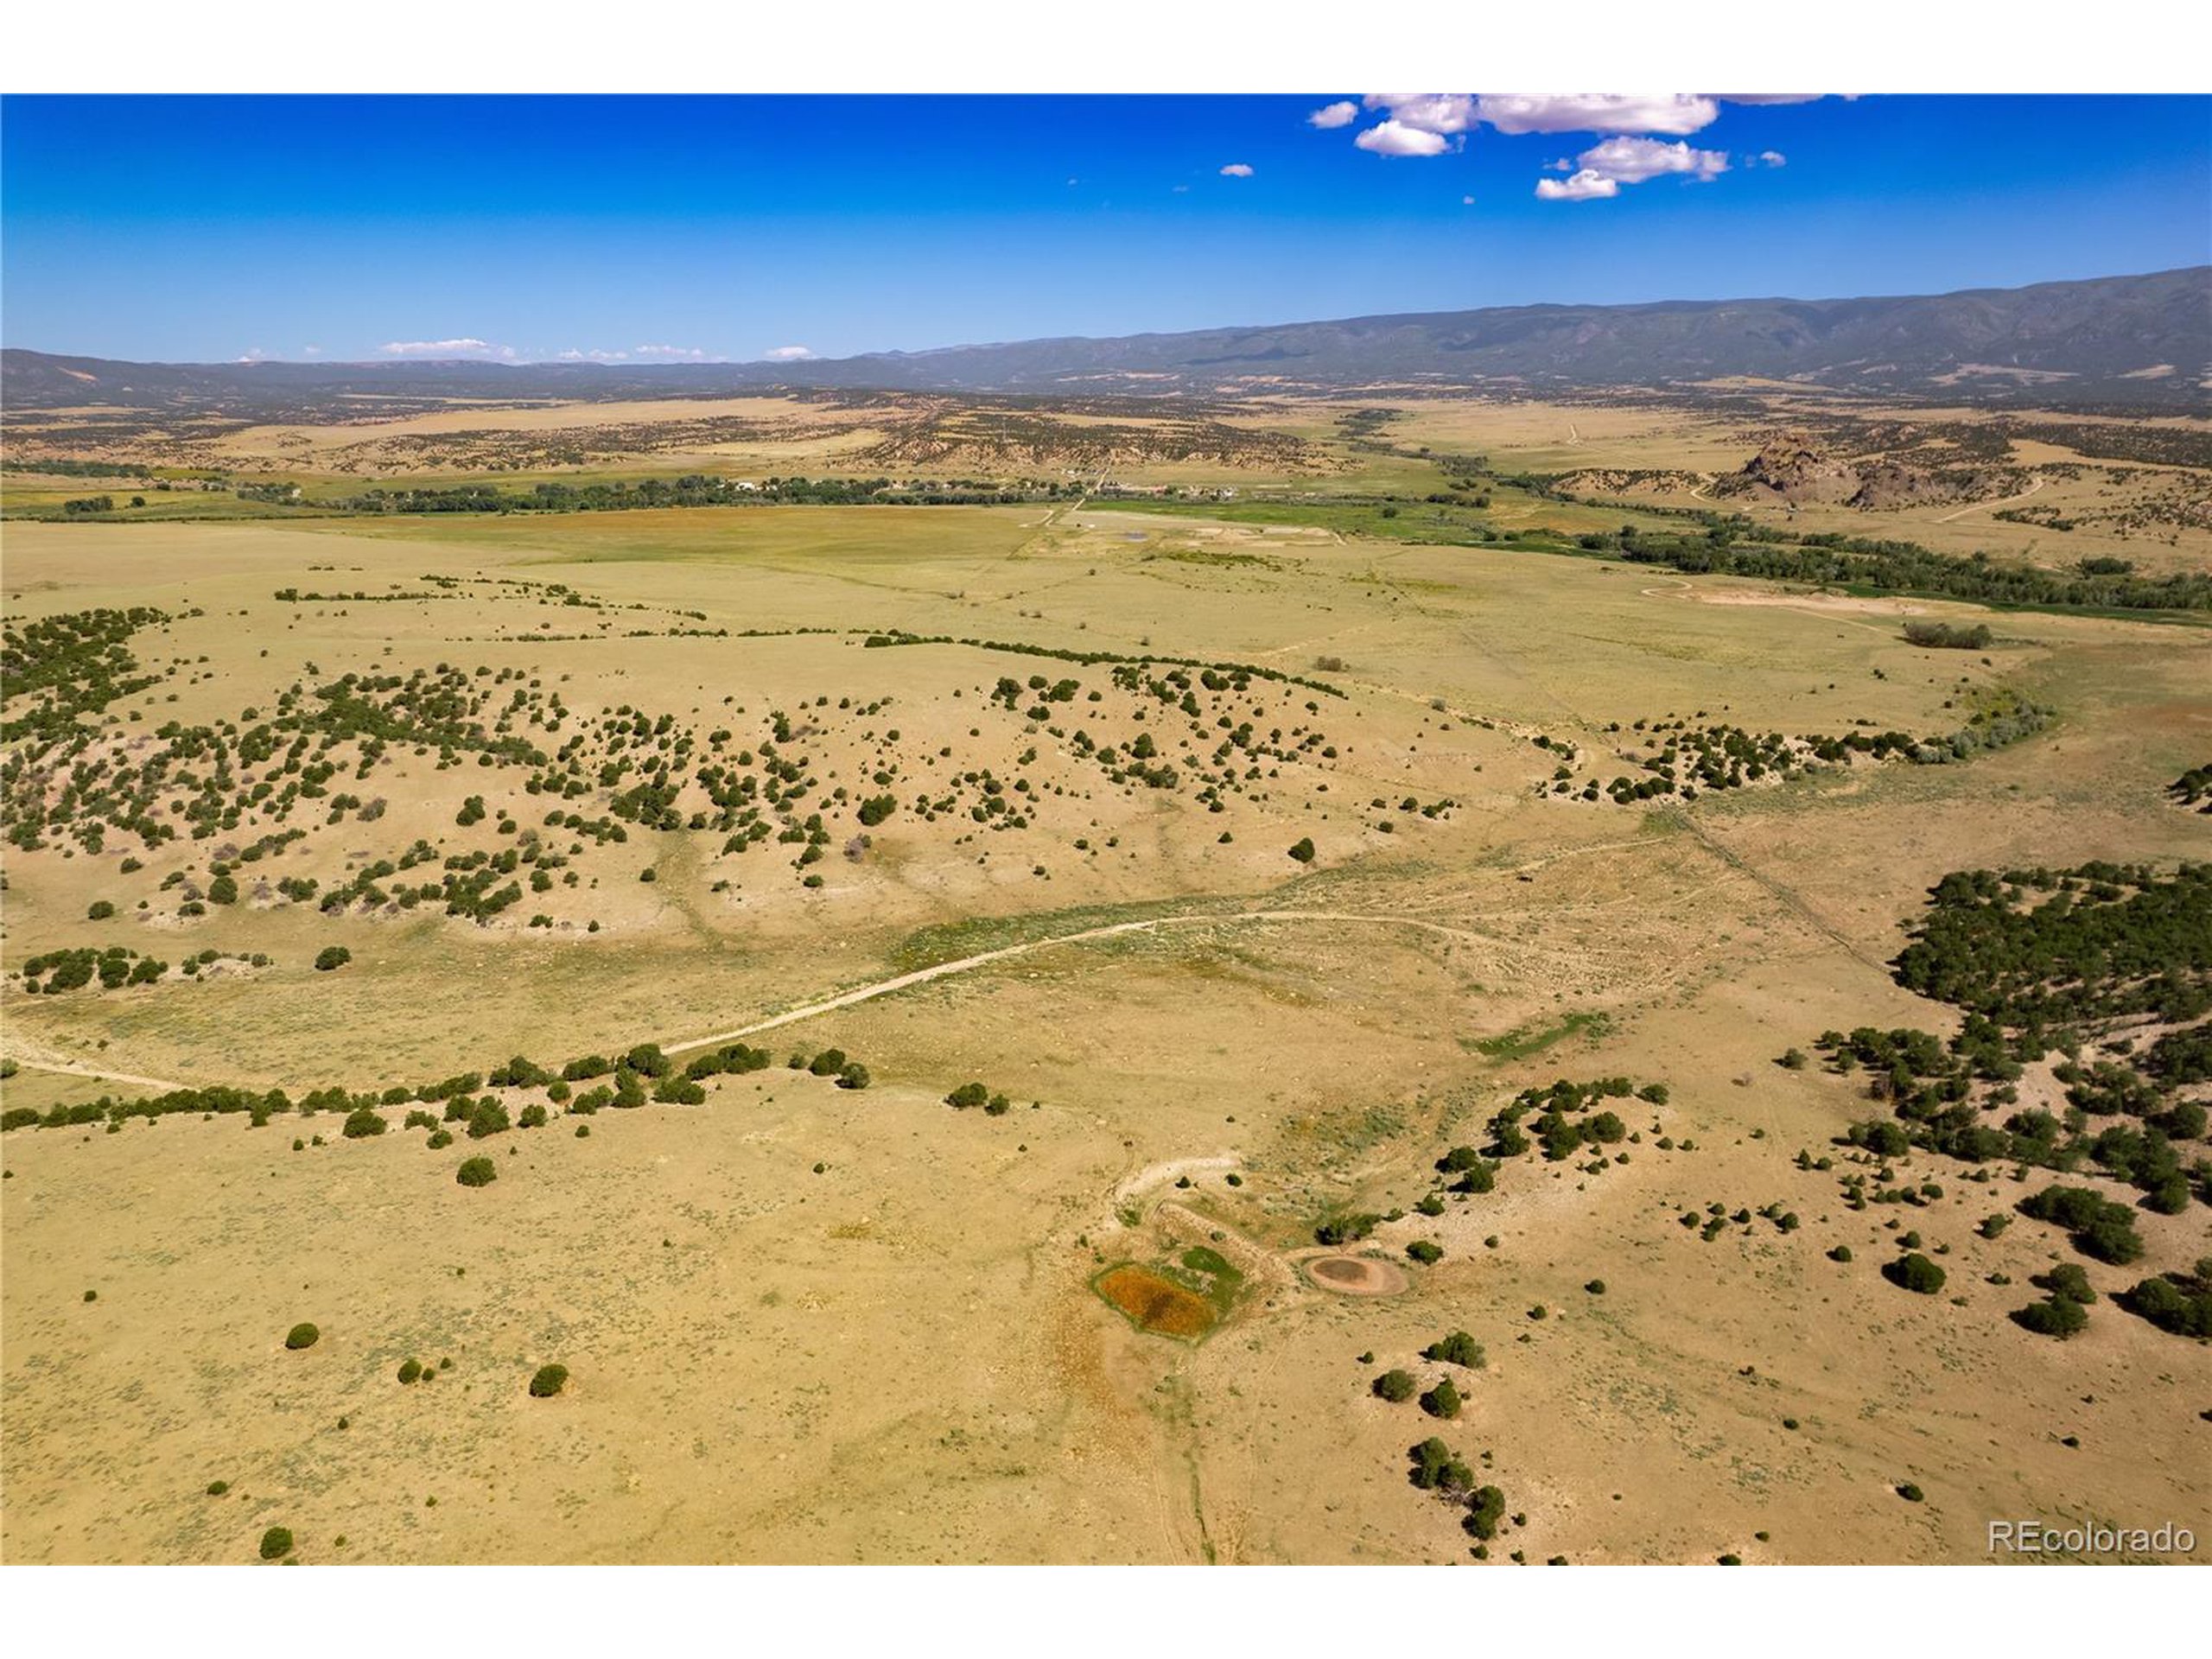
<point>1398,978</point>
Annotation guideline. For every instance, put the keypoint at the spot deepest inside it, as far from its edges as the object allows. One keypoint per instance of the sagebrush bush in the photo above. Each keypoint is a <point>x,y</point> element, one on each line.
<point>477,1172</point>
<point>276,1543</point>
<point>549,1381</point>
<point>302,1336</point>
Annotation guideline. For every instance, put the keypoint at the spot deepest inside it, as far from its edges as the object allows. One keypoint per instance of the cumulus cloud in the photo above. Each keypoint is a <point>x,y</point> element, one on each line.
<point>1767,158</point>
<point>1585,185</point>
<point>1448,113</point>
<point>1668,112</point>
<point>670,354</point>
<point>469,346</point>
<point>1395,139</point>
<point>788,353</point>
<point>1237,170</point>
<point>1772,98</point>
<point>572,355</point>
<point>1340,114</point>
<point>1631,160</point>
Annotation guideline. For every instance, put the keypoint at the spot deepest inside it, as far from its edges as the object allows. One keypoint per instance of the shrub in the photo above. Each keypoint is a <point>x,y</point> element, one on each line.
<point>1443,1400</point>
<point>1596,1286</point>
<point>1436,1465</point>
<point>1485,1509</point>
<point>439,1140</point>
<point>1303,852</point>
<point>549,1381</point>
<point>1841,1252</point>
<point>2067,1280</point>
<point>216,1488</point>
<point>828,1062</point>
<point>533,1116</point>
<point>477,1172</point>
<point>1458,1349</point>
<point>276,1544</point>
<point>100,910</point>
<point>2058,1316</point>
<point>855,1075</point>
<point>334,956</point>
<point>362,1123</point>
<point>410,1370</point>
<point>1915,1272</point>
<point>1911,1493</point>
<point>1424,1252</point>
<point>302,1336</point>
<point>967,1094</point>
<point>488,1118</point>
<point>1345,1230</point>
<point>1396,1387</point>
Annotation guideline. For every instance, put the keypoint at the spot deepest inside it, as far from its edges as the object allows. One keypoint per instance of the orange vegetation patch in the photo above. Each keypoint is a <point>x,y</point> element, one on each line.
<point>1156,1303</point>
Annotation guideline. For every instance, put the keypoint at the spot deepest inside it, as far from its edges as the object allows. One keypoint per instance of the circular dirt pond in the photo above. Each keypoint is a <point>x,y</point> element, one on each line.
<point>1355,1276</point>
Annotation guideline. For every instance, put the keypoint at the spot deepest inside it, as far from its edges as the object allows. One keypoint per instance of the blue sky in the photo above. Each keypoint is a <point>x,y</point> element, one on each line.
<point>656,228</point>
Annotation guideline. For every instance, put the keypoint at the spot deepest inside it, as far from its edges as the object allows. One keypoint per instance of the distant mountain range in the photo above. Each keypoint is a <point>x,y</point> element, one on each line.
<point>2142,341</point>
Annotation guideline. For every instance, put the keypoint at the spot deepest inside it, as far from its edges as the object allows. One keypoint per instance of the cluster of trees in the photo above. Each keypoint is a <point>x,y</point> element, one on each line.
<point>969,1096</point>
<point>73,663</point>
<point>692,490</point>
<point>1948,636</point>
<point>2098,1227</point>
<point>1556,1125</point>
<point>2064,1312</point>
<point>71,969</point>
<point>2041,960</point>
<point>1435,1467</point>
<point>1894,566</point>
<point>2179,1302</point>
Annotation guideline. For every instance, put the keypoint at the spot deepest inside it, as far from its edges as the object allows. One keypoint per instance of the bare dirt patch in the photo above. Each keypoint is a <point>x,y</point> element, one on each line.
<point>1355,1276</point>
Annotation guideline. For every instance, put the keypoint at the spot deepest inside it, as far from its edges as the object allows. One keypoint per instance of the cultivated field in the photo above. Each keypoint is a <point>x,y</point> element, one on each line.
<point>1252,851</point>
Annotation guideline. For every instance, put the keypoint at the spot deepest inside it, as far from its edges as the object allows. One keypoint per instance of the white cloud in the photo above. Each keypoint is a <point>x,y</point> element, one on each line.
<point>1585,185</point>
<point>572,355</point>
<point>1772,98</point>
<point>1182,190</point>
<point>1631,160</point>
<point>1392,139</point>
<point>1668,112</point>
<point>1329,116</point>
<point>1466,201</point>
<point>1767,158</point>
<point>788,353</point>
<point>671,354</point>
<point>1562,165</point>
<point>461,347</point>
<point>1446,113</point>
<point>310,351</point>
<point>1237,170</point>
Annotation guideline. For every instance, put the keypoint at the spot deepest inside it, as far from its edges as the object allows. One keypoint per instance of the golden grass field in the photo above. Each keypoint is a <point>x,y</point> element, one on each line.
<point>807,1323</point>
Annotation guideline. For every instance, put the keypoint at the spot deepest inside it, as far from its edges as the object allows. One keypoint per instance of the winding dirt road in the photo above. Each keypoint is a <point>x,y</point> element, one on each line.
<point>2004,501</point>
<point>984,958</point>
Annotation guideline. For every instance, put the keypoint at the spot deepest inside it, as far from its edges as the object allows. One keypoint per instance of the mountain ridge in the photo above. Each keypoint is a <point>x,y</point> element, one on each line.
<point>2143,340</point>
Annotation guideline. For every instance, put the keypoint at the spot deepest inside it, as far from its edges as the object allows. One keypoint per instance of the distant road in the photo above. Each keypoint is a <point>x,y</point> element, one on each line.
<point>1976,506</point>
